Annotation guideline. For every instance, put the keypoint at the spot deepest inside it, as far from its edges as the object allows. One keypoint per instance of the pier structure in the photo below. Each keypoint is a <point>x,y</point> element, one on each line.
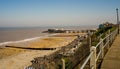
<point>68,31</point>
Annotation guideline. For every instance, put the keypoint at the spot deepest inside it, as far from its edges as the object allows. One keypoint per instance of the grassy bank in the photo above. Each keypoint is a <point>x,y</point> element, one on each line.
<point>101,33</point>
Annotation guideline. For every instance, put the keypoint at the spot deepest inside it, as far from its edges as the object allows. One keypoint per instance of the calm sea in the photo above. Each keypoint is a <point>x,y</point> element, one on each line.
<point>14,34</point>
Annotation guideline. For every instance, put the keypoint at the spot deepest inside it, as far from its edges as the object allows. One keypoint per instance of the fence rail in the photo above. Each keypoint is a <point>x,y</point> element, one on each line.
<point>97,52</point>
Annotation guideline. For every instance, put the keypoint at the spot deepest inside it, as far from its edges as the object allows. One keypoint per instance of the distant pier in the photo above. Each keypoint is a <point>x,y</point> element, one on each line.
<point>68,31</point>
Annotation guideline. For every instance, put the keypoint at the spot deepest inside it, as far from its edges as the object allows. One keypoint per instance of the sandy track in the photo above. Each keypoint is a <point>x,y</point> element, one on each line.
<point>22,59</point>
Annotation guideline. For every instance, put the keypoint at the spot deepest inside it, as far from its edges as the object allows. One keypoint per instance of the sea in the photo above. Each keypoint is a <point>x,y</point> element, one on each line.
<point>20,33</point>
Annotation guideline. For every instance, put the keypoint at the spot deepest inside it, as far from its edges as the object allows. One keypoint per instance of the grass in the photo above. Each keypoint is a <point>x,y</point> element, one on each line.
<point>95,41</point>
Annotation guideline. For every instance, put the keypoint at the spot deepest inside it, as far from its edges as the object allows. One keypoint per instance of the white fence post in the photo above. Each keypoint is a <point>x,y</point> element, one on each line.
<point>63,63</point>
<point>93,57</point>
<point>101,49</point>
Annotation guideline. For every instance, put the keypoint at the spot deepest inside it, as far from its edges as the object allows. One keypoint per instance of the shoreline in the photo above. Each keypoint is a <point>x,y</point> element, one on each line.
<point>16,57</point>
<point>2,44</point>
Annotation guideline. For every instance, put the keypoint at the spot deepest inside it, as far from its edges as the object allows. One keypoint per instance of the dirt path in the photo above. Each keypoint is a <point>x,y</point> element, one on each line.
<point>22,60</point>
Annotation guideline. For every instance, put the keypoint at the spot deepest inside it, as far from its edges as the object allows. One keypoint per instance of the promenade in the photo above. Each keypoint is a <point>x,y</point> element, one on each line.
<point>112,58</point>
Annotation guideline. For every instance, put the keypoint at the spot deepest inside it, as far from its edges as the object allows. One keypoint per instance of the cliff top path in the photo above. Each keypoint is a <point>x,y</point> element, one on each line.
<point>112,58</point>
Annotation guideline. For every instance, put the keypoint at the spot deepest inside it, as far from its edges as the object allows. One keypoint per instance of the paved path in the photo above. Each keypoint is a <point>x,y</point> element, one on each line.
<point>112,58</point>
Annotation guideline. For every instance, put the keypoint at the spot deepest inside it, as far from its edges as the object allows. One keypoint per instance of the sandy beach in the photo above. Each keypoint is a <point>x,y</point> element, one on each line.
<point>22,60</point>
<point>15,58</point>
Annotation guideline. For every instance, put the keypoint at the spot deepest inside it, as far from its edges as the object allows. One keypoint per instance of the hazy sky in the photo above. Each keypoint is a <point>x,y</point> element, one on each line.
<point>22,13</point>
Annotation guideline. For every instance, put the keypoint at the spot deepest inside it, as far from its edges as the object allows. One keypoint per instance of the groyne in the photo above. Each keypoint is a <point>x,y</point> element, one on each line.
<point>31,48</point>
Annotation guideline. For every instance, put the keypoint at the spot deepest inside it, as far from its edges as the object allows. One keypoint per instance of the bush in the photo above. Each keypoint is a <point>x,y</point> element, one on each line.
<point>101,31</point>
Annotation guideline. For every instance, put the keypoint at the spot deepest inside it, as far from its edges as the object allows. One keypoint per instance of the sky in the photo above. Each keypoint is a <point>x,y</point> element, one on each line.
<point>35,13</point>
